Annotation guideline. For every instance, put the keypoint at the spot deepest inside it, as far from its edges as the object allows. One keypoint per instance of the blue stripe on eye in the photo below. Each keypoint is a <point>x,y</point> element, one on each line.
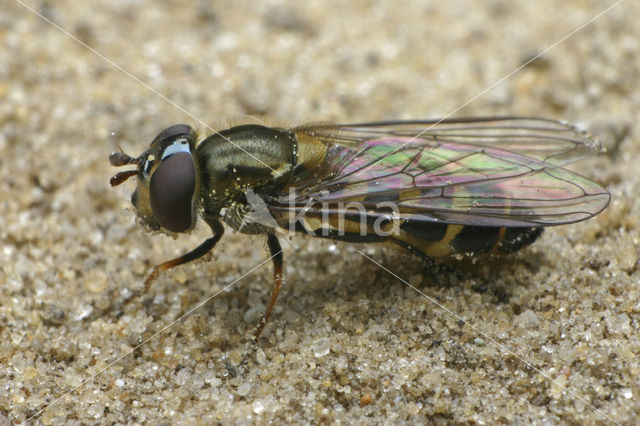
<point>179,145</point>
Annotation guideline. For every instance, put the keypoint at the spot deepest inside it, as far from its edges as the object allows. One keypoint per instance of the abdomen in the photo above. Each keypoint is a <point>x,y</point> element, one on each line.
<point>432,240</point>
<point>438,240</point>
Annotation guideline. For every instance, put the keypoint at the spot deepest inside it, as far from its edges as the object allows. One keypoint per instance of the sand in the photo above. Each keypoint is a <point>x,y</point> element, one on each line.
<point>549,335</point>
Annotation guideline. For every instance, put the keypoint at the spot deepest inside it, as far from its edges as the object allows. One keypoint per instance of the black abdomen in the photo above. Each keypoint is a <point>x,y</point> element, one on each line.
<point>435,240</point>
<point>516,238</point>
<point>483,239</point>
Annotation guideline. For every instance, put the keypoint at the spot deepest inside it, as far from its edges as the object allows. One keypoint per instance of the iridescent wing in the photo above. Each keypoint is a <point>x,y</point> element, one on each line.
<point>481,171</point>
<point>554,142</point>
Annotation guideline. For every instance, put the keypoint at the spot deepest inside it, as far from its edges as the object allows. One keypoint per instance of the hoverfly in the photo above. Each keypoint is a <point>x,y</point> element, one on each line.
<point>435,188</point>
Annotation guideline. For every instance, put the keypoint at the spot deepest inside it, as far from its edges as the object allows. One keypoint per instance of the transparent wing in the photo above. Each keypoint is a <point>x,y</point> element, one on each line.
<point>486,171</point>
<point>551,141</point>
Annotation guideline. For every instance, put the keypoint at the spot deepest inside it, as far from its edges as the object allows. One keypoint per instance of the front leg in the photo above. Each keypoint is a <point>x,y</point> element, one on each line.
<point>197,253</point>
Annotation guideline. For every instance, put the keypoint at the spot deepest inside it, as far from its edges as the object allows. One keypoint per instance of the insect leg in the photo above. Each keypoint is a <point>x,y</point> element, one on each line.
<point>194,254</point>
<point>278,277</point>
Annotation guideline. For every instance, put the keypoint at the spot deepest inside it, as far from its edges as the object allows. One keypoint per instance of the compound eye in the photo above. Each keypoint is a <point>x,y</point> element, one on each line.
<point>171,190</point>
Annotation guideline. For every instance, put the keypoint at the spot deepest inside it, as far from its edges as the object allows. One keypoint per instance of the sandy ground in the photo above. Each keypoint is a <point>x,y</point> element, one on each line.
<point>549,335</point>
